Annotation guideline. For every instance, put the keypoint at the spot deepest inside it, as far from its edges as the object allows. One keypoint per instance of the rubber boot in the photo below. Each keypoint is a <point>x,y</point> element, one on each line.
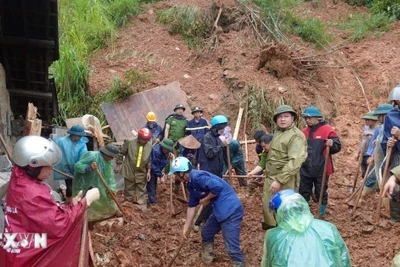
<point>322,210</point>
<point>207,252</point>
<point>238,264</point>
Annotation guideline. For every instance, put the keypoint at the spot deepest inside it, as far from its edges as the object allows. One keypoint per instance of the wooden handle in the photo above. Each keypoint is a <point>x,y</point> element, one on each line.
<point>183,239</point>
<point>82,252</point>
<point>111,193</point>
<point>327,151</point>
<point>63,173</point>
<point>243,176</point>
<point>383,182</point>
<point>359,162</point>
<point>6,148</point>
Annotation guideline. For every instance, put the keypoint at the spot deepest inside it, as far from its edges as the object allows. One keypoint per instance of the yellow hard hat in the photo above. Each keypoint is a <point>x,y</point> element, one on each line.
<point>151,116</point>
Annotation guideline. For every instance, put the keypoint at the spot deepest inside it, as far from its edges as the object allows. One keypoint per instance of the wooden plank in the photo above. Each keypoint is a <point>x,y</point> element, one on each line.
<point>129,114</point>
<point>239,119</point>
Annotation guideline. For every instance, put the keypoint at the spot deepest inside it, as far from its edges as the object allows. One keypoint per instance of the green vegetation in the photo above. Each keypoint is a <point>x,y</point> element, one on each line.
<point>192,23</point>
<point>362,25</point>
<point>281,14</point>
<point>85,26</point>
<point>310,30</point>
<point>390,8</point>
<point>260,107</point>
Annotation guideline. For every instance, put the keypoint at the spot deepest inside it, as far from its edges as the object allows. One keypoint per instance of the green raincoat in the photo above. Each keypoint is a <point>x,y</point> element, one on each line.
<point>288,151</point>
<point>302,241</point>
<point>105,207</point>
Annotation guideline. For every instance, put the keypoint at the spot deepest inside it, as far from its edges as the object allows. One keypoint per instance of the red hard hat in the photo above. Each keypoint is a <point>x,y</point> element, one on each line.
<point>144,134</point>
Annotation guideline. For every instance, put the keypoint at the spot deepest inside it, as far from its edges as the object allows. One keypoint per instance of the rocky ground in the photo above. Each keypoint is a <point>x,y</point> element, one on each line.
<point>354,78</point>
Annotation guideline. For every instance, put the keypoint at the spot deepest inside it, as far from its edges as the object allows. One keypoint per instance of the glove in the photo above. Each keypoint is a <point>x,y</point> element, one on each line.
<point>92,195</point>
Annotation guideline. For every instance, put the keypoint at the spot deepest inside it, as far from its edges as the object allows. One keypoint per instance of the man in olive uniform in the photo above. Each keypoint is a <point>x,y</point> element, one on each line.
<point>288,151</point>
<point>136,167</point>
<point>175,124</point>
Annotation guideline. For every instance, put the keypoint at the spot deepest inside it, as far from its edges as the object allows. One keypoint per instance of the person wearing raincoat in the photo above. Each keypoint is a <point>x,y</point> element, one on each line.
<point>73,147</point>
<point>86,176</point>
<point>299,239</point>
<point>30,210</point>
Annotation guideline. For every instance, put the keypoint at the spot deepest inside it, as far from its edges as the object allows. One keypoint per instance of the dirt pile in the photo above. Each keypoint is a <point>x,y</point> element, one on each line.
<point>352,78</point>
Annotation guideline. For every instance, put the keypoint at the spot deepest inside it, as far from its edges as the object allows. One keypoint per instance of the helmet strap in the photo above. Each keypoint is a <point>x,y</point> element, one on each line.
<point>33,172</point>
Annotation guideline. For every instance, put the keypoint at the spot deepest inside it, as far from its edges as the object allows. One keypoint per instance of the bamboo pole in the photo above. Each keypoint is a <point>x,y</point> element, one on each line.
<point>239,119</point>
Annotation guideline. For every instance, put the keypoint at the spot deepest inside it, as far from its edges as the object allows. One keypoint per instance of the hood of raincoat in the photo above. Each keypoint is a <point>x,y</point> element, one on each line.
<point>294,214</point>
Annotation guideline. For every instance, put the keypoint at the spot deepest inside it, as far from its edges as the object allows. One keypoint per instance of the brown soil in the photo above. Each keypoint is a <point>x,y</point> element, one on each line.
<point>214,82</point>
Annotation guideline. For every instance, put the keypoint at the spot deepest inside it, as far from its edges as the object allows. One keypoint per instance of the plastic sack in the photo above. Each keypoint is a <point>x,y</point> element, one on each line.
<point>396,261</point>
<point>105,207</point>
<point>301,240</point>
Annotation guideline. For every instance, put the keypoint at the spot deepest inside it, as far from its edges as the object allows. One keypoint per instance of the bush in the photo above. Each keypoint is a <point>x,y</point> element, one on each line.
<point>362,25</point>
<point>391,8</point>
<point>193,24</point>
<point>310,30</point>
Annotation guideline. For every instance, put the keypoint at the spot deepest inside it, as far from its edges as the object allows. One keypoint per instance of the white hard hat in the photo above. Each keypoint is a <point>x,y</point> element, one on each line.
<point>36,151</point>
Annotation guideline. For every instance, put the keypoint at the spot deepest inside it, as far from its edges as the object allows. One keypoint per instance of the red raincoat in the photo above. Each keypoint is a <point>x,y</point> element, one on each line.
<point>31,209</point>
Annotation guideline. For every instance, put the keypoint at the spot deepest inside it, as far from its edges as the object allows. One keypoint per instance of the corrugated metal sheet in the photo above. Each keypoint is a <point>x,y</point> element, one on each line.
<point>129,114</point>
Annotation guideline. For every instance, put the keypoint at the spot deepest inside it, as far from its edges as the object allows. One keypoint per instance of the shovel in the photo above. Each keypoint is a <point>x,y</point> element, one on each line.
<point>383,182</point>
<point>364,147</point>
<point>111,194</point>
<point>183,239</point>
<point>367,174</point>
<point>323,180</point>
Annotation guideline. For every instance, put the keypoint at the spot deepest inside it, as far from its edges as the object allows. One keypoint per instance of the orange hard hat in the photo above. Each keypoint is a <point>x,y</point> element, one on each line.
<point>151,116</point>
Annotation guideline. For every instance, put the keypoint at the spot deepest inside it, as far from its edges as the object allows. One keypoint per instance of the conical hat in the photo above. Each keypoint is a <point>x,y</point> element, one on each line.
<point>189,142</point>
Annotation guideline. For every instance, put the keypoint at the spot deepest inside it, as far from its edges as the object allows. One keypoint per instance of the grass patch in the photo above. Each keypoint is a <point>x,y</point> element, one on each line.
<point>84,27</point>
<point>310,30</point>
<point>192,23</point>
<point>390,8</point>
<point>280,14</point>
<point>363,25</point>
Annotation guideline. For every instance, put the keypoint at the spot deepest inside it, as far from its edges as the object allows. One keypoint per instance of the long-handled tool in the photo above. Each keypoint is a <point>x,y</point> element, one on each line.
<point>228,156</point>
<point>243,176</point>
<point>82,252</point>
<point>364,147</point>
<point>111,193</point>
<point>183,239</point>
<point>172,210</point>
<point>183,191</point>
<point>367,174</point>
<point>383,182</point>
<point>64,173</point>
<point>321,192</point>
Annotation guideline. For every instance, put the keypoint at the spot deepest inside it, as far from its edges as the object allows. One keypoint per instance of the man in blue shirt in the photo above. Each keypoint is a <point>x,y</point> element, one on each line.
<point>208,189</point>
<point>155,129</point>
<point>159,157</point>
<point>198,126</point>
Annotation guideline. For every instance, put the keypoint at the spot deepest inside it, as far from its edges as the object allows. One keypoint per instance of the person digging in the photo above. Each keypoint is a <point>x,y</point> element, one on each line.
<point>208,189</point>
